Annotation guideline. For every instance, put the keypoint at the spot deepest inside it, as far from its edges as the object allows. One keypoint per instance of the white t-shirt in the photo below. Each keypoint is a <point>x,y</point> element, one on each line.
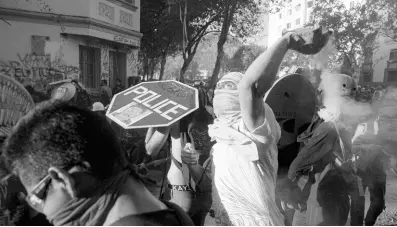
<point>247,188</point>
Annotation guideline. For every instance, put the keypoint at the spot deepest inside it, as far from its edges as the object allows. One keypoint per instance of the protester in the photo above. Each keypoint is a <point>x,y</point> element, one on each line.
<point>75,172</point>
<point>188,187</point>
<point>118,88</point>
<point>106,93</point>
<point>246,131</point>
<point>324,168</point>
<point>81,97</point>
<point>372,165</point>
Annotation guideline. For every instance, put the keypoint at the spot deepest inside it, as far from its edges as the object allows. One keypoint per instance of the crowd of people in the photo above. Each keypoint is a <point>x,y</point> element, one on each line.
<point>74,166</point>
<point>366,93</point>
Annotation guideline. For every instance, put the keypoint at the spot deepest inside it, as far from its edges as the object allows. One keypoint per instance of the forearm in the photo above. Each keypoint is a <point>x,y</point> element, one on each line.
<point>265,68</point>
<point>149,134</point>
<point>156,141</point>
<point>199,175</point>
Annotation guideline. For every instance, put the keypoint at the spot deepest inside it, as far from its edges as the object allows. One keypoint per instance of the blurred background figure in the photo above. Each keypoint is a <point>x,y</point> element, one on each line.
<point>106,93</point>
<point>118,88</point>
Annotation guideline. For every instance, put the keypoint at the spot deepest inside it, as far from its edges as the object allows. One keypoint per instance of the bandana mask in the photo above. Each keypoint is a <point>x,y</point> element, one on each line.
<point>226,97</point>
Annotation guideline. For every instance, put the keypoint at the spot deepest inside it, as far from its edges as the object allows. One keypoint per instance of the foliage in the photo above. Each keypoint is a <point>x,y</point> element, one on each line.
<point>183,25</point>
<point>243,58</point>
<point>354,34</point>
<point>159,39</point>
<point>384,14</point>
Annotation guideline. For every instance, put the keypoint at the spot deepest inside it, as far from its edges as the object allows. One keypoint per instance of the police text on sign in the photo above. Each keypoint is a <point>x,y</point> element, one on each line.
<point>151,100</point>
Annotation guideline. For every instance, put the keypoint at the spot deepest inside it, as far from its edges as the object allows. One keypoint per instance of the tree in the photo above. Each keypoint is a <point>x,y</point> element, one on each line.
<point>243,58</point>
<point>158,39</point>
<point>196,20</point>
<point>384,14</point>
<point>354,34</point>
<point>242,19</point>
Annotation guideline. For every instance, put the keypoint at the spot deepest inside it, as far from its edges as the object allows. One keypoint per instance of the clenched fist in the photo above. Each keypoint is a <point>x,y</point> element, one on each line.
<point>307,40</point>
<point>189,155</point>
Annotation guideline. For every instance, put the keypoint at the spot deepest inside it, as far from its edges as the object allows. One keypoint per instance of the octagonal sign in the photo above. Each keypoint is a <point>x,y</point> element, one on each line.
<point>153,104</point>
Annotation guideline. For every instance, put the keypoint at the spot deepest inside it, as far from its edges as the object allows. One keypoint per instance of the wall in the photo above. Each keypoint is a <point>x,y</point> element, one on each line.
<point>380,58</point>
<point>18,61</point>
<point>61,58</point>
<point>132,63</point>
<point>99,9</point>
<point>276,25</point>
<point>69,7</point>
<point>109,12</point>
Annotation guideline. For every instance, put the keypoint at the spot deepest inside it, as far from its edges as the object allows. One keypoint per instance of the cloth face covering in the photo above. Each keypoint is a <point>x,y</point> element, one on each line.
<point>226,100</point>
<point>93,210</point>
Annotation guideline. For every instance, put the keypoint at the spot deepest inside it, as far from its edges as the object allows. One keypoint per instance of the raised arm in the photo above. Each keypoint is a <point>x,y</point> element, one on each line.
<point>155,139</point>
<point>263,71</point>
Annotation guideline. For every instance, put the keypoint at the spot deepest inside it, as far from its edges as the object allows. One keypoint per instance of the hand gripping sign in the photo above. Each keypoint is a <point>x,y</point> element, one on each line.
<point>153,104</point>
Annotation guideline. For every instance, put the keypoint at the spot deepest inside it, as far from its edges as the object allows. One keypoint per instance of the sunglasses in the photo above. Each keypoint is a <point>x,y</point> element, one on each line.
<point>36,198</point>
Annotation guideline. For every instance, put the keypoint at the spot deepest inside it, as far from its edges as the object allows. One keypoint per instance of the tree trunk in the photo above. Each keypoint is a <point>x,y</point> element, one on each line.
<point>163,62</point>
<point>227,20</point>
<point>218,64</point>
<point>185,66</point>
<point>145,67</point>
<point>153,63</point>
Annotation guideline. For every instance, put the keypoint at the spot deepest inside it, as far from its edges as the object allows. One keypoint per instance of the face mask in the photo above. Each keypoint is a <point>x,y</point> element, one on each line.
<point>226,103</point>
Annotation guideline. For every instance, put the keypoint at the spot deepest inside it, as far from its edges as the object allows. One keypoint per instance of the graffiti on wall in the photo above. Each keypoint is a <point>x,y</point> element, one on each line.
<point>105,62</point>
<point>132,62</point>
<point>38,70</point>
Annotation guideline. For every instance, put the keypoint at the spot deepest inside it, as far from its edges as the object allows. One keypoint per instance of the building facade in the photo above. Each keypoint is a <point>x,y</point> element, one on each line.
<point>52,40</point>
<point>381,66</point>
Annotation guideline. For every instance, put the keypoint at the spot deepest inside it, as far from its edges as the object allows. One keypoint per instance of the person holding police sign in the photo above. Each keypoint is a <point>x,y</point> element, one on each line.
<point>189,186</point>
<point>245,155</point>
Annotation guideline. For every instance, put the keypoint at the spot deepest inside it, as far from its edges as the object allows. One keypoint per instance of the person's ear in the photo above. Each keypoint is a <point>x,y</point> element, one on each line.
<point>64,180</point>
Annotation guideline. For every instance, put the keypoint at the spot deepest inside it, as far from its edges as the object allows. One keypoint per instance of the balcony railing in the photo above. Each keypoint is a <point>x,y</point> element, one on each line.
<point>392,64</point>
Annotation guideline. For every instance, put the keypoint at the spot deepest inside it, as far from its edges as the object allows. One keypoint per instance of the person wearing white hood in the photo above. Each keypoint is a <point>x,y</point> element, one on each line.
<point>245,156</point>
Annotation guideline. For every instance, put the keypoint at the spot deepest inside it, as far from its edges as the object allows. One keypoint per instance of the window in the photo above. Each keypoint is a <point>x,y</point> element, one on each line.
<point>298,7</point>
<point>288,25</point>
<point>90,66</point>
<point>117,67</point>
<point>298,21</point>
<point>310,4</point>
<point>367,77</point>
<point>393,55</point>
<point>290,12</point>
<point>280,16</point>
<point>38,44</point>
<point>392,76</point>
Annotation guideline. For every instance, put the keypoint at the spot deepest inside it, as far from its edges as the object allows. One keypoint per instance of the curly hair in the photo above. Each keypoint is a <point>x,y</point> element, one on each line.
<point>58,134</point>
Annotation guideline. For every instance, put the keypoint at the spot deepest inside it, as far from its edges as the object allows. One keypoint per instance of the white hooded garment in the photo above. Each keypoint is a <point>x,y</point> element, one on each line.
<point>244,170</point>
